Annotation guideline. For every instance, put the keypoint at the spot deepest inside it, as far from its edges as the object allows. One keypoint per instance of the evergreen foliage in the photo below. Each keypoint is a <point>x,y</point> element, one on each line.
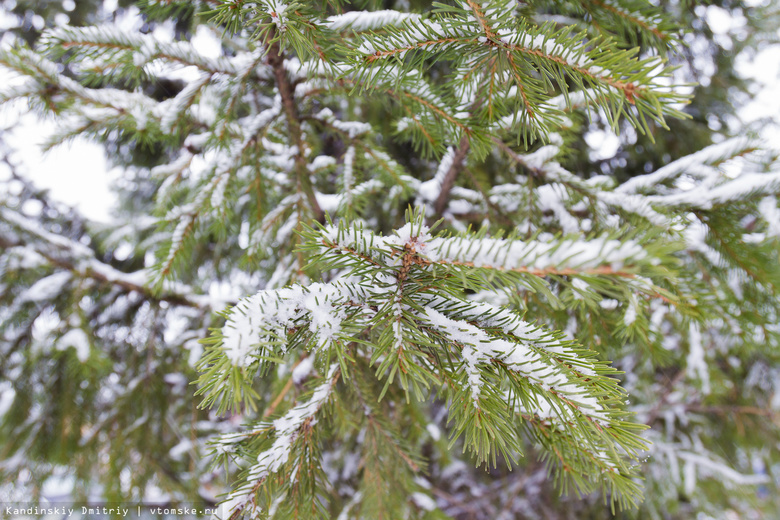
<point>442,284</point>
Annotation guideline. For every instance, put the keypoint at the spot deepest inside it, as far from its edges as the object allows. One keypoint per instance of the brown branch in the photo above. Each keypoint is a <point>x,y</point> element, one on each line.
<point>458,162</point>
<point>287,92</point>
<point>88,271</point>
<point>481,18</point>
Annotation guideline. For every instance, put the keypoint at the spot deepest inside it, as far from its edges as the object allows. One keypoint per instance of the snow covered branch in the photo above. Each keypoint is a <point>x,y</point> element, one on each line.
<point>73,256</point>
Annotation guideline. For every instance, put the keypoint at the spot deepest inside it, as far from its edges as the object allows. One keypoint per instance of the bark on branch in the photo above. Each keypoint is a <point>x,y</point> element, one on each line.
<point>287,92</point>
<point>458,161</point>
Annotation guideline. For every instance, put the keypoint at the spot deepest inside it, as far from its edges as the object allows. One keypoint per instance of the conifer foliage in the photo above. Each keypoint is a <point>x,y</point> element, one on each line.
<point>438,289</point>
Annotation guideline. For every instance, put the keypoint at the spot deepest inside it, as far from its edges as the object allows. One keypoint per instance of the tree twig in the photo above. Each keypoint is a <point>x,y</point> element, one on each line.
<point>287,92</point>
<point>458,162</point>
<point>76,257</point>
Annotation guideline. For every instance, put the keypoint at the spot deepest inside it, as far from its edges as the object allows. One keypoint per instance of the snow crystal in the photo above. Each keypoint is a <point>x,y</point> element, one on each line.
<point>276,310</point>
<point>46,288</point>
<point>368,20</point>
<point>77,339</point>
<point>631,312</point>
<point>302,371</point>
<point>696,363</point>
<point>771,214</point>
<point>423,501</point>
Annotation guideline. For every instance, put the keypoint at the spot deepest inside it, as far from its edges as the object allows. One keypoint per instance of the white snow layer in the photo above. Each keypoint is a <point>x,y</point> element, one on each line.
<point>77,339</point>
<point>536,254</point>
<point>696,362</point>
<point>274,311</point>
<point>709,155</point>
<point>287,429</point>
<point>46,288</point>
<point>771,214</point>
<point>368,20</point>
<point>532,255</point>
<point>479,348</point>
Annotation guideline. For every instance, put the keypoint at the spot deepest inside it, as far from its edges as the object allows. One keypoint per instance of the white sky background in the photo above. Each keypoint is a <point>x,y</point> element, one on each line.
<point>78,174</point>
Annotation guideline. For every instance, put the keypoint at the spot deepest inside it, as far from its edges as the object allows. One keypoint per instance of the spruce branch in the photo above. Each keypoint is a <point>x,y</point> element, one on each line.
<point>276,61</point>
<point>73,256</point>
<point>456,166</point>
<point>410,320</point>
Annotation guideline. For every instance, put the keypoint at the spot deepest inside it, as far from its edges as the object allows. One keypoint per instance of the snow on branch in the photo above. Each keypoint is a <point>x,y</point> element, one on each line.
<point>480,348</point>
<point>389,308</point>
<point>181,102</point>
<point>368,20</point>
<point>644,18</point>
<point>707,465</point>
<point>141,48</point>
<point>563,256</point>
<point>563,50</point>
<point>287,430</point>
<point>321,308</point>
<point>46,73</point>
<point>705,197</point>
<point>711,155</point>
<point>73,256</point>
<point>416,35</point>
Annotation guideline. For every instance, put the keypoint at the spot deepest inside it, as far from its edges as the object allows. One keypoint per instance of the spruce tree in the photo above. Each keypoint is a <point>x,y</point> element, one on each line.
<point>456,317</point>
